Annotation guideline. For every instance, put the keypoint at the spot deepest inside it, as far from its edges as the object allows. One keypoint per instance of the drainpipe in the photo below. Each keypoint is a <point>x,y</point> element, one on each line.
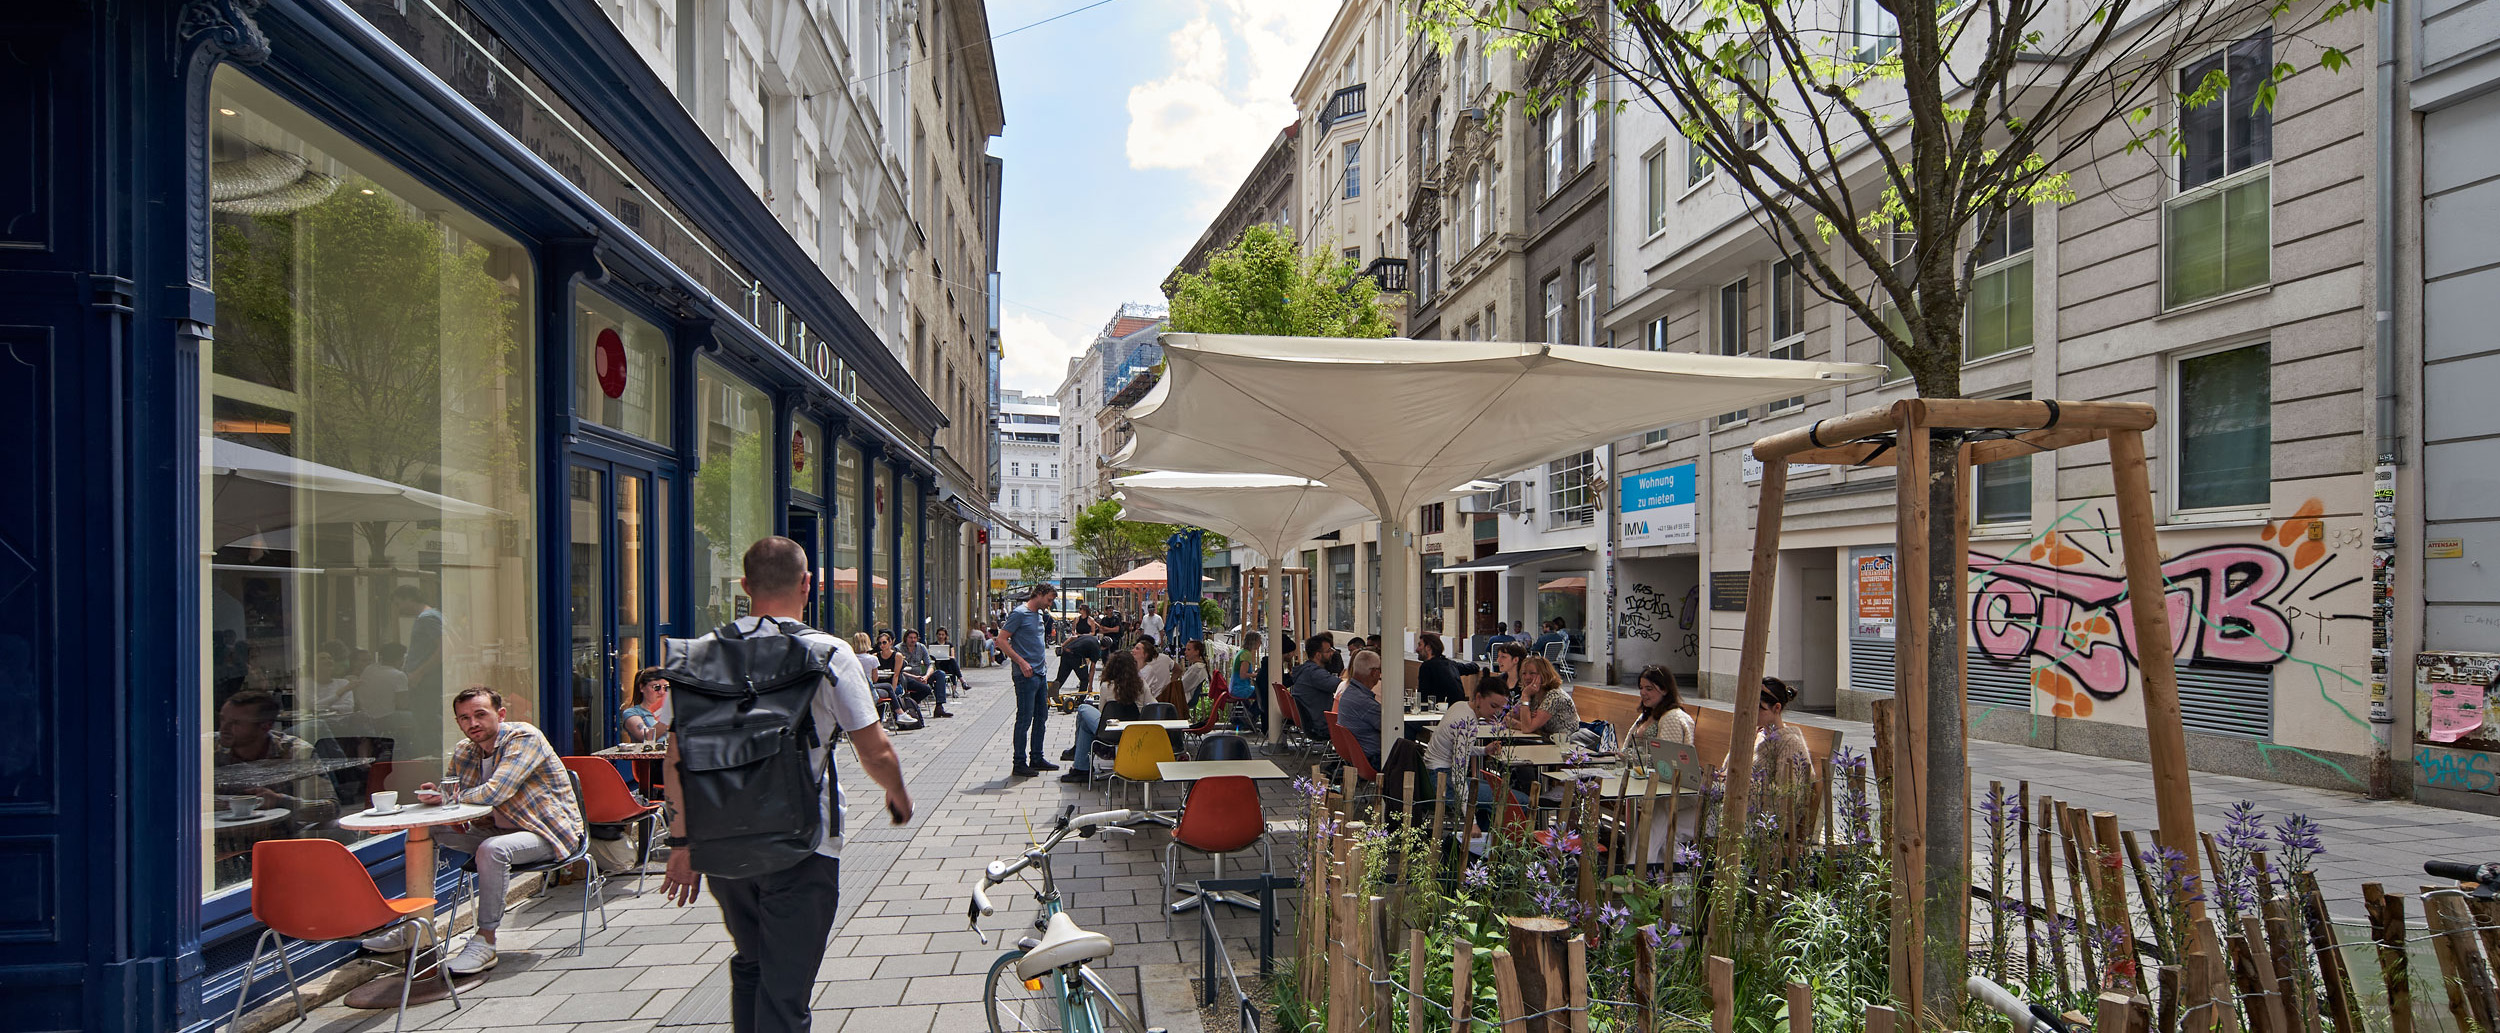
<point>2390,437</point>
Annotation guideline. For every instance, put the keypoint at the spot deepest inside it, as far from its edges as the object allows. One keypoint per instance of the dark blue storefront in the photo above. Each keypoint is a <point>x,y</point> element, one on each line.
<point>358,352</point>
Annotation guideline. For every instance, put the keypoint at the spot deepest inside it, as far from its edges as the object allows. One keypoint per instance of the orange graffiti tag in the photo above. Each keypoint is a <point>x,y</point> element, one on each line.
<point>2071,701</point>
<point>2296,529</point>
<point>2057,552</point>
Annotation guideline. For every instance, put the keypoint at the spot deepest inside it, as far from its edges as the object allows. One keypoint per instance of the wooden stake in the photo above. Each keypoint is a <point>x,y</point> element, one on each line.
<point>2259,959</point>
<point>1584,800</point>
<point>2082,911</point>
<point>1800,1007</point>
<point>2387,927</point>
<point>2285,953</point>
<point>1379,996</point>
<point>2113,888</point>
<point>1416,944</point>
<point>2048,901</point>
<point>1722,975</point>
<point>1538,945</point>
<point>1751,654</point>
<point>2435,925</point>
<point>2156,908</point>
<point>1645,979</point>
<point>2473,971</point>
<point>1508,1004</point>
<point>2485,917</point>
<point>2148,604</point>
<point>1879,1019</point>
<point>1911,565</point>
<point>2332,968</point>
<point>2166,1018</point>
<point>2109,1013</point>
<point>1579,975</point>
<point>1462,986</point>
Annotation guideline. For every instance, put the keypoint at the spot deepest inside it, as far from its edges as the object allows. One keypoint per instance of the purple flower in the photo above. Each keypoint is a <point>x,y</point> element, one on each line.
<point>1687,855</point>
<point>1612,915</point>
<point>1310,788</point>
<point>1478,876</point>
<point>2243,828</point>
<point>1650,933</point>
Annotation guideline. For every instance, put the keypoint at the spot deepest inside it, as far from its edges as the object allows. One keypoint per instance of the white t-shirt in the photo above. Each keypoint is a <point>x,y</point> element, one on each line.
<point>842,702</point>
<point>1152,625</point>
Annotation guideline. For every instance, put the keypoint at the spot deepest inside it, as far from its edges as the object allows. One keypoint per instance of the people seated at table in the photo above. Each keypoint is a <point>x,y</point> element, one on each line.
<point>1438,679</point>
<point>1545,706</point>
<point>1502,634</point>
<point>897,676</point>
<point>509,766</point>
<point>1156,667</point>
<point>1506,659</point>
<point>866,654</point>
<point>942,654</point>
<point>1551,633</point>
<point>1454,740</point>
<point>1358,709</point>
<point>918,662</point>
<point>1315,685</point>
<point>1194,674</point>
<point>1651,744</point>
<point>247,733</point>
<point>642,716</point>
<point>1124,699</point>
<point>1247,672</point>
<point>1780,750</point>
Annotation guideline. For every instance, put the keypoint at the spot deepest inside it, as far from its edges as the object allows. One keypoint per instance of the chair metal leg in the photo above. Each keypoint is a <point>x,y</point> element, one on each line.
<point>245,994</point>
<point>442,965</point>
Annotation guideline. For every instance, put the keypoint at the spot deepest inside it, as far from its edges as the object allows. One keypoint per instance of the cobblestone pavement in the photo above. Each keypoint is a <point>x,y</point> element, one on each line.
<point>901,959</point>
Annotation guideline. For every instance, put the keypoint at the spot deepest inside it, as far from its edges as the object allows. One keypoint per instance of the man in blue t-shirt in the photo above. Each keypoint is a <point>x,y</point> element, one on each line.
<point>1026,629</point>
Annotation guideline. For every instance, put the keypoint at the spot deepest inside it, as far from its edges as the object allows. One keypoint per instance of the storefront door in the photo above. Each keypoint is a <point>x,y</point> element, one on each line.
<point>806,528</point>
<point>615,566</point>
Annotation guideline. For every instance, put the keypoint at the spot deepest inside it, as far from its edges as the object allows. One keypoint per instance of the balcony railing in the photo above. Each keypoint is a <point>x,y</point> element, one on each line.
<point>1389,273</point>
<point>1344,104</point>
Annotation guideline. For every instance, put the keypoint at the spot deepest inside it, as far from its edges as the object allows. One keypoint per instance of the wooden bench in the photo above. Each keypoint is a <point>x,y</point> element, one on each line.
<point>1712,727</point>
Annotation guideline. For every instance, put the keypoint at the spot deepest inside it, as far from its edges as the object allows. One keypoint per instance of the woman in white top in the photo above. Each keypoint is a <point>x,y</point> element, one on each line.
<point>1661,725</point>
<point>1194,676</point>
<point>1155,669</point>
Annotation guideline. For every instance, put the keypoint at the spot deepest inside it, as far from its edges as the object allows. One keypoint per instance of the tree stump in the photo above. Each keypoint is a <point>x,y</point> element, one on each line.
<point>1538,945</point>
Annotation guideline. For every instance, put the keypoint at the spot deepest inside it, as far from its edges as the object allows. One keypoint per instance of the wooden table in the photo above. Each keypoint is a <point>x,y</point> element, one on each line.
<point>1611,784</point>
<point>1193,770</point>
<point>418,821</point>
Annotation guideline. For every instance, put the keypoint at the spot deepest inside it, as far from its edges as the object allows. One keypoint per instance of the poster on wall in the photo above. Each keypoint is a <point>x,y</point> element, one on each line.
<point>1657,506</point>
<point>2453,692</point>
<point>1875,596</point>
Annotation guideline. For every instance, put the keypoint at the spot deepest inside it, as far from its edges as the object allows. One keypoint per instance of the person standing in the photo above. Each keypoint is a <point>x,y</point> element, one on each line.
<point>1025,630</point>
<point>1151,625</point>
<point>779,922</point>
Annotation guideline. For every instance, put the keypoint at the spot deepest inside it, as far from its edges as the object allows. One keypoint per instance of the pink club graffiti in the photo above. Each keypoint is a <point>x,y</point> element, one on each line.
<point>2231,603</point>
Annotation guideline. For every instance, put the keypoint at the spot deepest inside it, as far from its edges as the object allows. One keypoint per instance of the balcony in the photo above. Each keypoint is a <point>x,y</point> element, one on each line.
<point>1389,273</point>
<point>1344,104</point>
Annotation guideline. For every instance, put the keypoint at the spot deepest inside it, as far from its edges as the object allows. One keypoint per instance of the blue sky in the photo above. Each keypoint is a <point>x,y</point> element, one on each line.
<point>1128,126</point>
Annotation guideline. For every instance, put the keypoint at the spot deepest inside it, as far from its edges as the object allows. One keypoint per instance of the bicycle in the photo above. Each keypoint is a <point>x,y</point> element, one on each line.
<point>1047,982</point>
<point>2029,1018</point>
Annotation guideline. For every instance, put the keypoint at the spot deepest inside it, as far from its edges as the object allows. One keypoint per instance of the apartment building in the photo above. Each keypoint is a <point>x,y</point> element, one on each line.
<point>2254,346</point>
<point>1028,495</point>
<point>1354,182</point>
<point>1128,344</point>
<point>1267,195</point>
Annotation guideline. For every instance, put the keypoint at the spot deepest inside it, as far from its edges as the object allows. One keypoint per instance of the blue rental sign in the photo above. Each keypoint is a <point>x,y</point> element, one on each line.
<point>1658,507</point>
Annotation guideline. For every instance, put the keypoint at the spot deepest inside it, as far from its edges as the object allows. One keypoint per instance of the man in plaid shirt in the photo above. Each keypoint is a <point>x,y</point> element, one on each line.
<point>507,765</point>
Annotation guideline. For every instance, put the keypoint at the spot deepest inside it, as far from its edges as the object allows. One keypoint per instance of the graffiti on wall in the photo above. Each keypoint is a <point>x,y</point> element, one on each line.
<point>2465,771</point>
<point>2059,605</point>
<point>2453,731</point>
<point>1651,615</point>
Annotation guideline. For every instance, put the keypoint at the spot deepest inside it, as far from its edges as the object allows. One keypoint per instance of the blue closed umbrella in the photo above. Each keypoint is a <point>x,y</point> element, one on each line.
<point>1183,568</point>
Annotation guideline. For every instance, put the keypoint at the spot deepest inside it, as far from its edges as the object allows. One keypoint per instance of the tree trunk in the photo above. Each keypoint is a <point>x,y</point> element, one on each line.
<point>1948,772</point>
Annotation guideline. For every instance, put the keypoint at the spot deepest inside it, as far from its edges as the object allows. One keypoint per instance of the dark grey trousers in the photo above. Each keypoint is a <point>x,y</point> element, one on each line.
<point>780,924</point>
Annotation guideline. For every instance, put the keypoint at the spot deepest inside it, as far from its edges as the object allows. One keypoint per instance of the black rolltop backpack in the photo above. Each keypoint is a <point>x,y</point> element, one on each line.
<point>742,721</point>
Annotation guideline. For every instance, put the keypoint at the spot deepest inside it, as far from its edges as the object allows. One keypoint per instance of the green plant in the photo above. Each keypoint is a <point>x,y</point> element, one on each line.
<point>1263,284</point>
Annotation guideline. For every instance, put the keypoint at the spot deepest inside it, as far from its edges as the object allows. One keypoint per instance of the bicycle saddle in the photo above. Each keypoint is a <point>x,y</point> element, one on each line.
<point>1062,944</point>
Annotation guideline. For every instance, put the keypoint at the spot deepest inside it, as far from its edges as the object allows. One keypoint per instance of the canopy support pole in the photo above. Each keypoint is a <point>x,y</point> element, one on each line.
<point>1396,549</point>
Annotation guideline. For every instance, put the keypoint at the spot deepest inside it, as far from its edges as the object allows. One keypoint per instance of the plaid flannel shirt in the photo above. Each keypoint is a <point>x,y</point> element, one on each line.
<point>524,781</point>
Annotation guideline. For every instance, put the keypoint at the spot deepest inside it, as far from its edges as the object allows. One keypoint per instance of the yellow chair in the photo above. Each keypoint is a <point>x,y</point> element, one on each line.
<point>1142,751</point>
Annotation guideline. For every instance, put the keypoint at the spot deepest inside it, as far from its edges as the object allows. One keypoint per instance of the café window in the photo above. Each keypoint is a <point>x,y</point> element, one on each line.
<point>368,418</point>
<point>620,368</point>
<point>846,538</point>
<point>733,489</point>
<point>1341,587</point>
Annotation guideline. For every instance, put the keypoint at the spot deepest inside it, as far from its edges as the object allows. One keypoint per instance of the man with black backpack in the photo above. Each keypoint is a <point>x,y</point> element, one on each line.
<point>753,710</point>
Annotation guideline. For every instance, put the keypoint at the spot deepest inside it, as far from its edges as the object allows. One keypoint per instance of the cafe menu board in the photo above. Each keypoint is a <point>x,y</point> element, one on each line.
<point>1874,615</point>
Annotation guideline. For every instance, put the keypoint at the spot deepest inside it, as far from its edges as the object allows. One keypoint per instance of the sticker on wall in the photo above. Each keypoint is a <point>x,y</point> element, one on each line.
<point>2452,693</point>
<point>609,355</point>
<point>2444,549</point>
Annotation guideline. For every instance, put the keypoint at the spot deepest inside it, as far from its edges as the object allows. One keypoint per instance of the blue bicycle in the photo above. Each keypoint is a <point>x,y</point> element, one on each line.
<point>1047,982</point>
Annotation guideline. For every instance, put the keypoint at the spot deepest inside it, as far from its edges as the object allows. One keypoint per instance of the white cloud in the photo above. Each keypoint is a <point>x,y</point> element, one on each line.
<point>1229,90</point>
<point>1035,353</point>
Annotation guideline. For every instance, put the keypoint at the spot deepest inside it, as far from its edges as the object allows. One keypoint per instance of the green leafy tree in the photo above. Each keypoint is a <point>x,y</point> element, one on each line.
<point>1882,145</point>
<point>1263,284</point>
<point>1114,545</point>
<point>1034,562</point>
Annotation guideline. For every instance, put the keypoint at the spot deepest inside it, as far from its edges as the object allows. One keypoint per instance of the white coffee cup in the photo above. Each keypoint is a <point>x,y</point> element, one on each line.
<point>386,802</point>
<point>242,806</point>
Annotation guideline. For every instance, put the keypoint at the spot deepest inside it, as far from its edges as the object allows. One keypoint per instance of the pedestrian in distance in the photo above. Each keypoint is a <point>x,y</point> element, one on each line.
<point>766,823</point>
<point>1026,627</point>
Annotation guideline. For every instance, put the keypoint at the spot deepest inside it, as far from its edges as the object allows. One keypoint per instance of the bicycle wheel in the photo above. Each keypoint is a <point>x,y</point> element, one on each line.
<point>1016,1006</point>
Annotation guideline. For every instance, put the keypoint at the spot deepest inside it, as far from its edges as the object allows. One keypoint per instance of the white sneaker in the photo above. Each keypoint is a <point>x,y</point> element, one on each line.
<point>476,956</point>
<point>391,942</point>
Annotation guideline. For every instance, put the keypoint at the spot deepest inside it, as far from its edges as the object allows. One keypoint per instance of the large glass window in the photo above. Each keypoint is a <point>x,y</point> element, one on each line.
<point>368,420</point>
<point>1654,185</point>
<point>2000,293</point>
<point>847,532</point>
<point>1564,596</point>
<point>2219,229</point>
<point>1788,321</point>
<point>909,556</point>
<point>1735,307</point>
<point>2001,492</point>
<point>1570,498</point>
<point>1341,587</point>
<point>2225,429</point>
<point>620,368</point>
<point>888,517</point>
<point>733,489</point>
<point>807,456</point>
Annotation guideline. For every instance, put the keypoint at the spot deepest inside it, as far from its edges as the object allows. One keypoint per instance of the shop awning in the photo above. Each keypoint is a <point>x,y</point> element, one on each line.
<point>1507,560</point>
<point>1565,584</point>
<point>977,511</point>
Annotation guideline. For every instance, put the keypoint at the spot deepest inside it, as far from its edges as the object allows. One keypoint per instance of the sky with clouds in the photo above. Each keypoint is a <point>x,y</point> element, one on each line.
<point>1128,126</point>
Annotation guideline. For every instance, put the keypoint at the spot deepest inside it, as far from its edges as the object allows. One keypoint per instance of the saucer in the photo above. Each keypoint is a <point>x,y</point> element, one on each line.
<point>379,813</point>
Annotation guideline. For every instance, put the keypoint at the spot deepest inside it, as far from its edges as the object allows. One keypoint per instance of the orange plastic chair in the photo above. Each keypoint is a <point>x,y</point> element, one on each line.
<point>1350,751</point>
<point>1222,816</point>
<point>607,801</point>
<point>315,891</point>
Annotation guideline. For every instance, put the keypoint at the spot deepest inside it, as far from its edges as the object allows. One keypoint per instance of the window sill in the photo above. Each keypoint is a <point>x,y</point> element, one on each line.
<point>1693,188</point>
<point>2003,356</point>
<point>1653,236</point>
<point>2218,300</point>
<point>2208,521</point>
<point>2001,533</point>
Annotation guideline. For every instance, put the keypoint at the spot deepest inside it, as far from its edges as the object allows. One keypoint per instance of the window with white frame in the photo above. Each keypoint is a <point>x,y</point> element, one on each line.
<point>1587,300</point>
<point>1552,293</point>
<point>2000,289</point>
<point>1569,498</point>
<point>1735,300</point>
<point>1354,168</point>
<point>1697,164</point>
<point>1015,469</point>
<point>1900,248</point>
<point>1873,31</point>
<point>1654,181</point>
<point>1015,498</point>
<point>1654,338</point>
<point>1753,123</point>
<point>1475,329</point>
<point>1352,255</point>
<point>1475,207</point>
<point>2218,233</point>
<point>2222,429</point>
<point>2001,491</point>
<point>1463,69</point>
<point>1587,113</point>
<point>1788,321</point>
<point>1557,144</point>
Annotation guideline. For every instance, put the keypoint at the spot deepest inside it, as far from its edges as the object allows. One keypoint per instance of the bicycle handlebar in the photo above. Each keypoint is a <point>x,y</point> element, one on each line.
<point>1067,824</point>
<point>2027,1017</point>
<point>2463,871</point>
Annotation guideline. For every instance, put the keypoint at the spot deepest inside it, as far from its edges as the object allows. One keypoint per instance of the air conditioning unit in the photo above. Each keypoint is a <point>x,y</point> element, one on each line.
<point>1509,498</point>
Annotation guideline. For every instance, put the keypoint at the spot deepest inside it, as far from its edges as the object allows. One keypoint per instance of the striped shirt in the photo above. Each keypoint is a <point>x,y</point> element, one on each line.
<point>524,781</point>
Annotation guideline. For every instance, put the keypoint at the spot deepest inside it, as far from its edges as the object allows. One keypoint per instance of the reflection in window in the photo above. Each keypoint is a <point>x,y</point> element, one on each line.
<point>365,474</point>
<point>2225,427</point>
<point>733,503</point>
<point>846,538</point>
<point>1341,587</point>
<point>887,517</point>
<point>620,368</point>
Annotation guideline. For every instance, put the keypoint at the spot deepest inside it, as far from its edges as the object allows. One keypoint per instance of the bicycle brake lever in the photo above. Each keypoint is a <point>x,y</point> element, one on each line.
<point>1121,829</point>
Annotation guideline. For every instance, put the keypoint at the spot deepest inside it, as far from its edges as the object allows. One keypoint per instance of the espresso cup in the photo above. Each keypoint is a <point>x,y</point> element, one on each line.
<point>386,802</point>
<point>242,806</point>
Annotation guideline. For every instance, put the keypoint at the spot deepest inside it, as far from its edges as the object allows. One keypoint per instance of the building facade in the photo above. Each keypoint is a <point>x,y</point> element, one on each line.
<point>1354,182</point>
<point>1129,343</point>
<point>1028,496</point>
<point>417,347</point>
<point>1267,195</point>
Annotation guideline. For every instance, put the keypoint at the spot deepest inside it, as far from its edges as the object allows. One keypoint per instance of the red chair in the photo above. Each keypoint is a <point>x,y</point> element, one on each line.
<point>315,891</point>
<point>1350,751</point>
<point>607,801</point>
<point>1222,816</point>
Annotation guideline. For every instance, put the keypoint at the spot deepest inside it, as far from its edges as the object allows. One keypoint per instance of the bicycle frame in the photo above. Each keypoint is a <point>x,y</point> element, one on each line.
<point>1084,999</point>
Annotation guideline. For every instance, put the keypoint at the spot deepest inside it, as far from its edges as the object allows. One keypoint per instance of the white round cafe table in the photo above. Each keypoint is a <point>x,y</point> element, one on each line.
<point>418,821</point>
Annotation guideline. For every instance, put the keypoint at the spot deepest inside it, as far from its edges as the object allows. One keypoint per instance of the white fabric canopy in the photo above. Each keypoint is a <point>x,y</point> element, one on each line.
<point>1267,512</point>
<point>1400,422</point>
